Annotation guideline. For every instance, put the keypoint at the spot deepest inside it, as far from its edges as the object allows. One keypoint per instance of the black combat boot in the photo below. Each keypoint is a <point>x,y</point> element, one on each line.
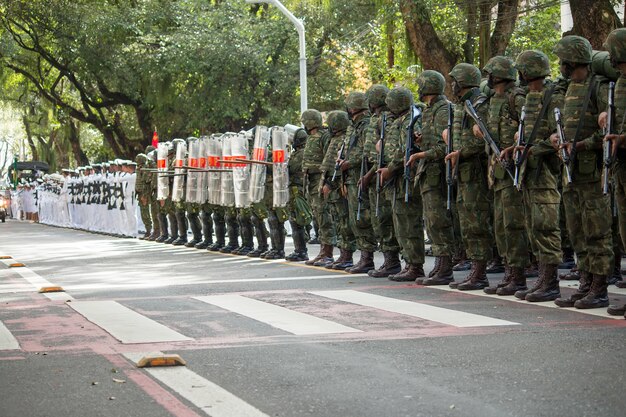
<point>516,282</point>
<point>391,265</point>
<point>433,272</point>
<point>616,275</point>
<point>233,235</point>
<point>181,220</point>
<point>220,236</point>
<point>549,289</point>
<point>597,296</point>
<point>616,310</point>
<point>410,273</point>
<point>163,227</point>
<point>278,242</point>
<point>343,262</point>
<point>365,264</point>
<point>146,235</point>
<point>196,229</point>
<point>260,232</point>
<point>156,228</point>
<point>300,252</point>
<point>444,275</point>
<point>207,231</point>
<point>496,265</point>
<point>505,281</point>
<point>584,286</point>
<point>322,256</point>
<point>171,219</point>
<point>477,277</point>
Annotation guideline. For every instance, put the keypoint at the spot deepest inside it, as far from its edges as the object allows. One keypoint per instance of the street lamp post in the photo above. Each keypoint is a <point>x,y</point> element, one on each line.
<point>300,28</point>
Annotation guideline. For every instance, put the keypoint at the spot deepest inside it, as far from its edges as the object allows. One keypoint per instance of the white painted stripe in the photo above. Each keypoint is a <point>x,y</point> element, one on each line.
<point>11,288</point>
<point>35,280</point>
<point>600,312</point>
<point>276,316</point>
<point>7,341</point>
<point>410,308</point>
<point>239,261</point>
<point>204,394</point>
<point>124,324</point>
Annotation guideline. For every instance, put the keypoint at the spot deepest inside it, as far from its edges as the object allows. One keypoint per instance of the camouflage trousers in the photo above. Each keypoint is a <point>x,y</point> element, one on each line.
<point>382,224</point>
<point>542,223</point>
<point>475,215</point>
<point>619,174</point>
<point>154,212</point>
<point>509,224</point>
<point>321,211</point>
<point>588,218</point>
<point>439,223</point>
<point>340,217</point>
<point>166,206</point>
<point>409,226</point>
<point>362,228</point>
<point>144,211</point>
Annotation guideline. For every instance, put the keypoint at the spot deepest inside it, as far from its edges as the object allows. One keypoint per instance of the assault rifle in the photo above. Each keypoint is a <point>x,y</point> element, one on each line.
<point>342,156</point>
<point>607,147</point>
<point>360,190</point>
<point>568,159</point>
<point>381,159</point>
<point>449,149</point>
<point>416,113</point>
<point>519,155</point>
<point>471,111</point>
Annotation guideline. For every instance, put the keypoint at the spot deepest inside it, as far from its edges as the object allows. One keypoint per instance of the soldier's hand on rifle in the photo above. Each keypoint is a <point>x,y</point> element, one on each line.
<point>617,141</point>
<point>444,136</point>
<point>418,138</point>
<point>326,191</point>
<point>554,139</point>
<point>414,158</point>
<point>453,157</point>
<point>477,132</point>
<point>602,118</point>
<point>505,154</point>
<point>384,175</point>
<point>364,181</point>
<point>378,145</point>
<point>343,165</point>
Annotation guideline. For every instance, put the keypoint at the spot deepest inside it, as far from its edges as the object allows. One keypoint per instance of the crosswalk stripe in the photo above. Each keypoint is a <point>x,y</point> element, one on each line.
<point>125,324</point>
<point>204,394</point>
<point>7,341</point>
<point>282,318</point>
<point>36,280</point>
<point>410,308</point>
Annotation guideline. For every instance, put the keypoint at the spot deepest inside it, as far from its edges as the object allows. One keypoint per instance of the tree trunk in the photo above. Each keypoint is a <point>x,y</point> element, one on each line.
<point>146,125</point>
<point>484,32</point>
<point>594,20</point>
<point>390,29</point>
<point>505,24</point>
<point>77,150</point>
<point>470,39</point>
<point>29,139</point>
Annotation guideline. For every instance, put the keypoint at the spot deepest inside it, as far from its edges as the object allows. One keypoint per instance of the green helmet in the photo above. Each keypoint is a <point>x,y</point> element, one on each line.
<point>149,149</point>
<point>399,99</point>
<point>501,67</point>
<point>466,75</point>
<point>615,43</point>
<point>299,138</point>
<point>311,119</point>
<point>376,95</point>
<point>141,158</point>
<point>533,64</point>
<point>357,100</point>
<point>574,49</point>
<point>338,121</point>
<point>431,82</point>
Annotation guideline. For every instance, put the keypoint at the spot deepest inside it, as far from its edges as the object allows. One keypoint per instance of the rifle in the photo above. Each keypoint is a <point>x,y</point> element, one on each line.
<point>568,159</point>
<point>518,155</point>
<point>360,190</point>
<point>471,111</point>
<point>342,152</point>
<point>416,113</point>
<point>449,149</point>
<point>606,150</point>
<point>381,159</point>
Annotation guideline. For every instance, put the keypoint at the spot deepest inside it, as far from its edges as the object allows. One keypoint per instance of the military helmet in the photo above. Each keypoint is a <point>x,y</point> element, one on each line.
<point>431,83</point>
<point>399,99</point>
<point>311,119</point>
<point>501,67</point>
<point>299,138</point>
<point>141,159</point>
<point>574,49</point>
<point>376,95</point>
<point>466,75</point>
<point>149,149</point>
<point>357,100</point>
<point>615,43</point>
<point>533,64</point>
<point>338,121</point>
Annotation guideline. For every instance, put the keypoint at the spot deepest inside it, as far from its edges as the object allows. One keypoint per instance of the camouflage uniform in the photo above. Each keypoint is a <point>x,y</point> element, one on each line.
<point>587,210</point>
<point>360,218</point>
<point>430,177</point>
<point>407,215</point>
<point>314,152</point>
<point>338,122</point>
<point>473,196</point>
<point>300,213</point>
<point>143,191</point>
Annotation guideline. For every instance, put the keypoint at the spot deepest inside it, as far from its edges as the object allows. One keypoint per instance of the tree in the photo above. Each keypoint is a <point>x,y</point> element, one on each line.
<point>594,20</point>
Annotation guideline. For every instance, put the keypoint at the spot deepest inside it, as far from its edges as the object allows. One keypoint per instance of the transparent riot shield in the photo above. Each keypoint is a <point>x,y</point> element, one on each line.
<point>192,191</point>
<point>228,191</point>
<point>203,193</point>
<point>258,172</point>
<point>241,171</point>
<point>178,187</point>
<point>280,158</point>
<point>214,154</point>
<point>163,181</point>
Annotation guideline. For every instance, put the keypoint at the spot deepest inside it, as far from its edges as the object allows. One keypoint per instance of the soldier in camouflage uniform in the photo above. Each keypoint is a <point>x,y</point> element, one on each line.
<point>354,167</point>
<point>539,177</point>
<point>180,208</point>
<point>153,204</point>
<point>470,160</point>
<point>142,190</point>
<point>505,107</point>
<point>430,176</point>
<point>407,215</point>
<point>587,210</point>
<point>333,189</point>
<point>300,213</point>
<point>380,208</point>
<point>616,45</point>
<point>166,216</point>
<point>314,152</point>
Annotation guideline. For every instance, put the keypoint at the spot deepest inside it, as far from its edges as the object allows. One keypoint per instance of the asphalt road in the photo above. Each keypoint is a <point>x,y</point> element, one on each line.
<point>272,338</point>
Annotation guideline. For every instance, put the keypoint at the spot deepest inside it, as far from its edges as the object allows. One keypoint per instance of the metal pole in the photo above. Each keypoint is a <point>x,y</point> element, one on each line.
<point>300,28</point>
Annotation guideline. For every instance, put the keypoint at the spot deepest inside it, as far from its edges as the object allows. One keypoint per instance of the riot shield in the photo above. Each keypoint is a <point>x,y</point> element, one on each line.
<point>214,154</point>
<point>228,191</point>
<point>241,171</point>
<point>178,187</point>
<point>163,182</point>
<point>192,191</point>
<point>280,170</point>
<point>258,172</point>
<point>203,193</point>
